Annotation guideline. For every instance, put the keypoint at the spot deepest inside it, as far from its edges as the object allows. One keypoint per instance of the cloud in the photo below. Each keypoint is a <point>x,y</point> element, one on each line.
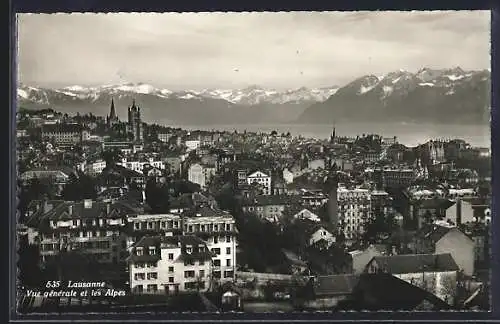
<point>225,50</point>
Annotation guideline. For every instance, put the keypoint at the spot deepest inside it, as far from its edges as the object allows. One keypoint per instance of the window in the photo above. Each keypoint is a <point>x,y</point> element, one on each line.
<point>75,222</point>
<point>152,250</point>
<point>228,262</point>
<point>139,288</point>
<point>189,274</point>
<point>152,275</point>
<point>139,251</point>
<point>139,276</point>
<point>163,224</point>
<point>228,227</point>
<point>171,279</point>
<point>202,273</point>
<point>228,250</point>
<point>170,269</point>
<point>170,256</point>
<point>228,274</point>
<point>189,249</point>
<point>216,251</point>
<point>228,238</point>
<point>202,262</point>
<point>188,263</point>
<point>190,285</point>
<point>216,239</point>
<point>216,263</point>
<point>152,288</point>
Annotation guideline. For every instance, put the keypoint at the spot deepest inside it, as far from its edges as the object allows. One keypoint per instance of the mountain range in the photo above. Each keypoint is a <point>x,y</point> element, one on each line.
<point>448,95</point>
<point>441,96</point>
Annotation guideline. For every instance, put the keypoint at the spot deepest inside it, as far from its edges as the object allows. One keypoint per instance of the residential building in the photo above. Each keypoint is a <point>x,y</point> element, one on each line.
<point>261,179</point>
<point>354,208</point>
<point>118,176</point>
<point>169,264</point>
<point>462,211</point>
<point>201,174</point>
<point>438,239</point>
<point>319,233</point>
<point>88,227</point>
<point>306,214</point>
<point>164,137</point>
<point>217,228</point>
<point>435,273</point>
<point>93,168</point>
<point>288,176</point>
<point>313,198</point>
<point>192,145</point>
<point>394,178</point>
<point>173,164</point>
<point>138,166</point>
<point>269,207</point>
<point>361,258</point>
<point>381,203</point>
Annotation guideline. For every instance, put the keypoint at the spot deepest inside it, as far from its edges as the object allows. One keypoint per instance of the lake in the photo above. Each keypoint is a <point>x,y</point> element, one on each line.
<point>410,134</point>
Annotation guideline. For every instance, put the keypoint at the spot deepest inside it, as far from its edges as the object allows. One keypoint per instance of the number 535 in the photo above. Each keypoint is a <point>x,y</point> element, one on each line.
<point>53,284</point>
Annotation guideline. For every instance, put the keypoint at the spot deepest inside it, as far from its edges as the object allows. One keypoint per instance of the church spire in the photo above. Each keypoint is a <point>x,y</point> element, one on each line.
<point>112,113</point>
<point>332,137</point>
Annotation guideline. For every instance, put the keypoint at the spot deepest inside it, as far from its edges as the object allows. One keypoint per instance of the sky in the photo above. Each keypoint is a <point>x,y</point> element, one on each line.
<point>235,50</point>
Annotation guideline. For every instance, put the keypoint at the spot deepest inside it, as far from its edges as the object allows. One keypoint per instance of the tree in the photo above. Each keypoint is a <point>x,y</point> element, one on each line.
<point>157,196</point>
<point>79,187</point>
<point>111,157</point>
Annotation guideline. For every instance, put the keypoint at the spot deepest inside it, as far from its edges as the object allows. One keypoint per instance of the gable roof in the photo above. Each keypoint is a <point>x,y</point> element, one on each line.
<point>433,233</point>
<point>257,173</point>
<point>383,291</point>
<point>413,263</point>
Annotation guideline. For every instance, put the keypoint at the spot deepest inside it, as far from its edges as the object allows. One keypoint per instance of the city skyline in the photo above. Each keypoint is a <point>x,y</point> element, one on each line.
<point>226,50</point>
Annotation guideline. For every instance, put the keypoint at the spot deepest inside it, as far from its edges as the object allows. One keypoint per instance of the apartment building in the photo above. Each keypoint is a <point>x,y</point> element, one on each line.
<point>214,227</point>
<point>201,174</point>
<point>169,264</point>
<point>217,228</point>
<point>354,207</point>
<point>261,179</point>
<point>88,227</point>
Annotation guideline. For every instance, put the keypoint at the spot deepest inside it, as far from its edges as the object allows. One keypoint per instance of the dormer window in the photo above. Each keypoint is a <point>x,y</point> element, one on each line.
<point>139,251</point>
<point>152,250</point>
<point>189,249</point>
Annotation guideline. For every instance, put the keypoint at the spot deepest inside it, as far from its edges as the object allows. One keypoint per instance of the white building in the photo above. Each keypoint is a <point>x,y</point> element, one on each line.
<point>164,137</point>
<point>214,227</point>
<point>138,166</point>
<point>192,145</point>
<point>94,168</point>
<point>321,234</point>
<point>218,230</point>
<point>261,179</point>
<point>169,264</point>
<point>354,206</point>
<point>288,176</point>
<point>307,214</point>
<point>201,174</point>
